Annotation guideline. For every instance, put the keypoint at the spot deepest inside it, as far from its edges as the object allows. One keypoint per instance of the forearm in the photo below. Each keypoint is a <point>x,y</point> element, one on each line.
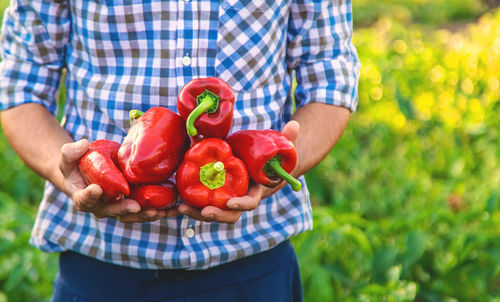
<point>321,126</point>
<point>37,137</point>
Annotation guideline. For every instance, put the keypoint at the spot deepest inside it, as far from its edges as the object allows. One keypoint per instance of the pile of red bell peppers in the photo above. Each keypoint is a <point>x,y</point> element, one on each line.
<point>190,154</point>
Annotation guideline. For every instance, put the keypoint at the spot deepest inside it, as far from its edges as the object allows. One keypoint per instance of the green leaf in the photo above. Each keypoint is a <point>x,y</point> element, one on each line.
<point>15,276</point>
<point>320,288</point>
<point>415,248</point>
<point>405,105</point>
<point>492,202</point>
<point>383,260</point>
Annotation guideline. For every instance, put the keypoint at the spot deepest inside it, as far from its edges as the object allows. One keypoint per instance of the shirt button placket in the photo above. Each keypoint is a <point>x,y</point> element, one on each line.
<point>188,237</point>
<point>189,233</point>
<point>186,60</point>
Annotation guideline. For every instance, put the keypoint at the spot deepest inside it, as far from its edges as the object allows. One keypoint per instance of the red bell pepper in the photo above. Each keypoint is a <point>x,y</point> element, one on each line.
<point>162,196</point>
<point>207,106</point>
<point>100,166</point>
<point>211,175</point>
<point>153,147</point>
<point>269,156</point>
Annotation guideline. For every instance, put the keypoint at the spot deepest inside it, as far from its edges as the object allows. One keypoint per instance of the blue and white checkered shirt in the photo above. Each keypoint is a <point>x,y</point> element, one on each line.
<point>136,54</point>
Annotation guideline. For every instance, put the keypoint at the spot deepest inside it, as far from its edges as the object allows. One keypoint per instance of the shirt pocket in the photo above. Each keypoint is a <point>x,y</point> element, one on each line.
<point>251,42</point>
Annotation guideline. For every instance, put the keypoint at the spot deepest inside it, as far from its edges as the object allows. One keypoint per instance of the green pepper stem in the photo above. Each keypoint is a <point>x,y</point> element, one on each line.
<point>213,175</point>
<point>206,102</point>
<point>134,114</point>
<point>275,165</point>
<point>217,168</point>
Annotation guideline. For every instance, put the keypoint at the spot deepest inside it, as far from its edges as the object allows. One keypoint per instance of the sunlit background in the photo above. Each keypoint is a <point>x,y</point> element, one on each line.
<point>407,205</point>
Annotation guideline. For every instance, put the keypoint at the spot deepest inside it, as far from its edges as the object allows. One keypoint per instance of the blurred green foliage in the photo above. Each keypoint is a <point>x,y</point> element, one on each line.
<point>16,180</point>
<point>26,274</point>
<point>406,207</point>
<point>435,12</point>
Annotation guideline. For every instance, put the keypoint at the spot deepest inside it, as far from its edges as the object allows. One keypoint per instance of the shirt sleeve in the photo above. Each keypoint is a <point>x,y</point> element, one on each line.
<point>32,43</point>
<point>321,52</point>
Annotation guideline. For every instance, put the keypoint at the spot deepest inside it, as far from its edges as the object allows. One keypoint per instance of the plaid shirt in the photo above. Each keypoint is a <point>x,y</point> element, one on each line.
<point>134,54</point>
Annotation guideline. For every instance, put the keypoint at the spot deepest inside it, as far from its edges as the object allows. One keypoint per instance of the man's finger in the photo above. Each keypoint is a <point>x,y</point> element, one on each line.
<point>244,203</point>
<point>71,154</point>
<point>193,213</point>
<point>210,214</point>
<point>147,215</point>
<point>219,215</point>
<point>270,191</point>
<point>87,198</point>
<point>121,208</point>
<point>172,212</point>
<point>249,201</point>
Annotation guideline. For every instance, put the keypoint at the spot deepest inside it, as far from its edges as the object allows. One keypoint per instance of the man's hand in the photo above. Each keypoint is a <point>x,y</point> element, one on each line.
<point>256,193</point>
<point>89,198</point>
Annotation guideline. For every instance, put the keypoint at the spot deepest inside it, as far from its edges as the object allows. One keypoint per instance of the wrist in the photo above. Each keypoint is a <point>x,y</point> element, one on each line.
<point>58,180</point>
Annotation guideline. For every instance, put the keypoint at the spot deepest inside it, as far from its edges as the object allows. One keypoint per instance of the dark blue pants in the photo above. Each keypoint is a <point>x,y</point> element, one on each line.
<point>268,276</point>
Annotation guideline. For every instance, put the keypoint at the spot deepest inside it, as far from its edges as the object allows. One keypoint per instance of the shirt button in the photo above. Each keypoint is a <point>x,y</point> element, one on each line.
<point>186,61</point>
<point>190,233</point>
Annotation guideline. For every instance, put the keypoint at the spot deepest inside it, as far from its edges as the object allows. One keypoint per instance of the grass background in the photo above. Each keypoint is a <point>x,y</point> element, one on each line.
<point>406,206</point>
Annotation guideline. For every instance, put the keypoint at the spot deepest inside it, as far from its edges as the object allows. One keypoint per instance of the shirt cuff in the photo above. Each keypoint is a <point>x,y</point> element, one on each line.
<point>333,82</point>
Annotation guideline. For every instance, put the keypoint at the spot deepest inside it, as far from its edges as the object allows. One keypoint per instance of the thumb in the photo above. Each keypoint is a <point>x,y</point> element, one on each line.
<point>291,130</point>
<point>71,154</point>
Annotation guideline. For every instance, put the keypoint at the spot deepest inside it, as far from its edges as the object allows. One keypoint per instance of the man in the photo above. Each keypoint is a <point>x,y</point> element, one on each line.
<point>129,54</point>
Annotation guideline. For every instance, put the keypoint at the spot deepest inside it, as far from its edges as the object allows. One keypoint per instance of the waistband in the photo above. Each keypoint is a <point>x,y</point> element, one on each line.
<point>101,281</point>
